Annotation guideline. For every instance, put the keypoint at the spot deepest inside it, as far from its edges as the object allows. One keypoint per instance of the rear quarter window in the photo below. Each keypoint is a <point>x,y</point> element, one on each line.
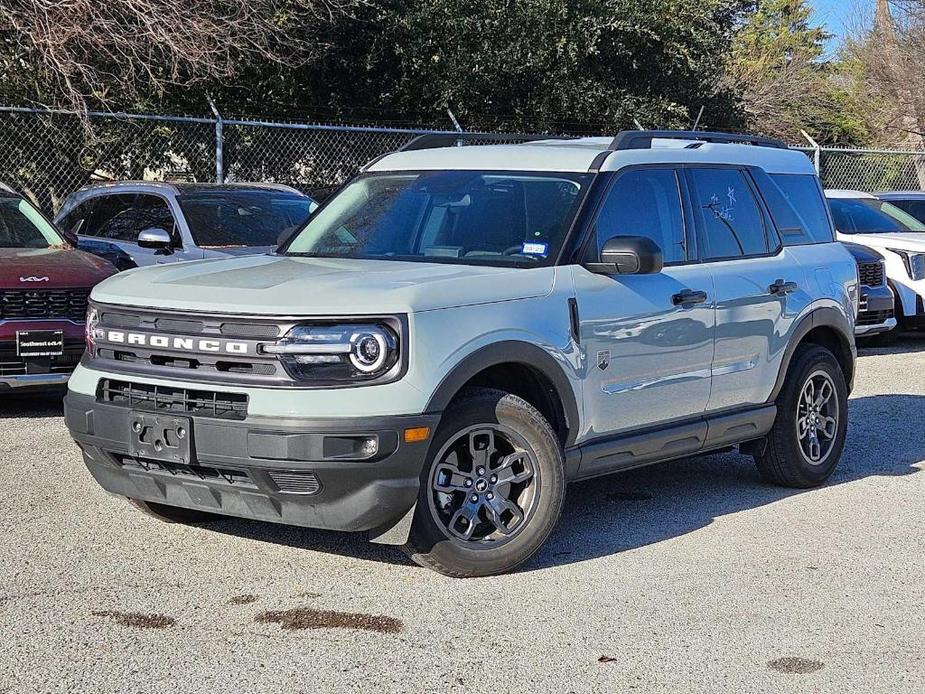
<point>798,208</point>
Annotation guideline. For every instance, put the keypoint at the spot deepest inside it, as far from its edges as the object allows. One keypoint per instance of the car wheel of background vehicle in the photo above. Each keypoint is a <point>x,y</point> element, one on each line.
<point>808,435</point>
<point>492,489</point>
<point>173,514</point>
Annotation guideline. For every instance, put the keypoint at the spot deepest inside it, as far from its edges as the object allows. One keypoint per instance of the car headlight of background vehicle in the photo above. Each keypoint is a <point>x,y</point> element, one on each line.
<point>914,262</point>
<point>341,352</point>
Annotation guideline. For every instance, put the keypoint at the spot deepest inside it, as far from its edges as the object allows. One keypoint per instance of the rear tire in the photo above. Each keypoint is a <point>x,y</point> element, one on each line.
<point>808,436</point>
<point>492,489</point>
<point>173,514</point>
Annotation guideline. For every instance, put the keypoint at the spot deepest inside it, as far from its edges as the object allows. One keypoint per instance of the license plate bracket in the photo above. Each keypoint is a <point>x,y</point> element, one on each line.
<point>165,438</point>
<point>31,344</point>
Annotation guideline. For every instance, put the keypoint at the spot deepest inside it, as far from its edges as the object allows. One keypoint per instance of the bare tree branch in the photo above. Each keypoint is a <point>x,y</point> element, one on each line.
<point>96,51</point>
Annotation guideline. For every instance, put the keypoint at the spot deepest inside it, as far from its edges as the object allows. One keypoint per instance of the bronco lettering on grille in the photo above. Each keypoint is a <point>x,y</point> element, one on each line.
<point>172,342</point>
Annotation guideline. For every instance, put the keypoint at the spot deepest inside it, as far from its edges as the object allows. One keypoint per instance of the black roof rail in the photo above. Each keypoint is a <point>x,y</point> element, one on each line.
<point>436,140</point>
<point>642,139</point>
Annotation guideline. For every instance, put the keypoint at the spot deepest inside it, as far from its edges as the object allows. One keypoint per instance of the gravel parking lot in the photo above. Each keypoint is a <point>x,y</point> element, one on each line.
<point>688,576</point>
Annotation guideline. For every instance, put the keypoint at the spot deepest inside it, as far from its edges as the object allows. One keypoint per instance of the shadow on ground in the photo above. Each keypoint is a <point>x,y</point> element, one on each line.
<point>886,437</point>
<point>44,404</point>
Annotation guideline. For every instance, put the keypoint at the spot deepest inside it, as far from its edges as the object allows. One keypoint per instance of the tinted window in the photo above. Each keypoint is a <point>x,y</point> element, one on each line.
<point>477,217</point>
<point>113,218</point>
<point>22,226</point>
<point>914,207</point>
<point>733,224</point>
<point>75,222</point>
<point>805,197</point>
<point>645,202</point>
<point>243,218</point>
<point>152,212</point>
<point>871,216</point>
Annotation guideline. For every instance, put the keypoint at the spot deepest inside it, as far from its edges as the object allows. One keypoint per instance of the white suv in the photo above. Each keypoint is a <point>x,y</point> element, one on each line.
<point>899,237</point>
<point>461,331</point>
<point>156,223</point>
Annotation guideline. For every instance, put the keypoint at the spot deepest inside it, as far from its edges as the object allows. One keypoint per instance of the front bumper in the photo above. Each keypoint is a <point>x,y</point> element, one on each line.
<point>289,471</point>
<point>18,374</point>
<point>876,311</point>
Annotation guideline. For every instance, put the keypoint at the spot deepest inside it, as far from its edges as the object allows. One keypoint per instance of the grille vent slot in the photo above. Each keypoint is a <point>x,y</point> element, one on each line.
<point>44,303</point>
<point>295,482</point>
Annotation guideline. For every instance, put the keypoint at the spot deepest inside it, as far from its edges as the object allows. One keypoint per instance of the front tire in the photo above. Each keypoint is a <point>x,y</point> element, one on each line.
<point>808,436</point>
<point>492,489</point>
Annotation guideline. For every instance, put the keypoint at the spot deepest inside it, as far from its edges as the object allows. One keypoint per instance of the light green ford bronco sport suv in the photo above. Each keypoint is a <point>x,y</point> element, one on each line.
<point>463,330</point>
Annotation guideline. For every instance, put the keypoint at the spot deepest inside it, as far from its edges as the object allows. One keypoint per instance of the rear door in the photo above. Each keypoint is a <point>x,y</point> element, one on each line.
<point>758,285</point>
<point>647,339</point>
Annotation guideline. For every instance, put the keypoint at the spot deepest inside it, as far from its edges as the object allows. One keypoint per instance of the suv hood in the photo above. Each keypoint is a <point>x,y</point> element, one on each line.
<point>910,240</point>
<point>59,267</point>
<point>277,285</point>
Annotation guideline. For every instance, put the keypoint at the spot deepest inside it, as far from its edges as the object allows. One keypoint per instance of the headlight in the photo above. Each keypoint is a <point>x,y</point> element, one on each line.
<point>91,329</point>
<point>914,262</point>
<point>339,353</point>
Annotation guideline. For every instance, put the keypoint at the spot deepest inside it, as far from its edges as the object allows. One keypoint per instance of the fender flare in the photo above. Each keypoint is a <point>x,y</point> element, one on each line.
<point>510,351</point>
<point>828,317</point>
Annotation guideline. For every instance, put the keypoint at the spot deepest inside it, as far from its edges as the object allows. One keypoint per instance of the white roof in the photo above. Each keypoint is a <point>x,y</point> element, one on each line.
<point>576,156</point>
<point>834,193</point>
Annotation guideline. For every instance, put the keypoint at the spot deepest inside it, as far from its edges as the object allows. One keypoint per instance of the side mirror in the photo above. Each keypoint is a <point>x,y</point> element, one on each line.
<point>156,238</point>
<point>68,235</point>
<point>628,255</point>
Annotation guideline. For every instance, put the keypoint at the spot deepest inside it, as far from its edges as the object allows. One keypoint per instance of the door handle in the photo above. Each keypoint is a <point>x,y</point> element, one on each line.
<point>780,288</point>
<point>688,297</point>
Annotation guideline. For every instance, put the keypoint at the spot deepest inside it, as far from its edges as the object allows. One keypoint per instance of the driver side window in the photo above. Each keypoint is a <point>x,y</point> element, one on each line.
<point>645,202</point>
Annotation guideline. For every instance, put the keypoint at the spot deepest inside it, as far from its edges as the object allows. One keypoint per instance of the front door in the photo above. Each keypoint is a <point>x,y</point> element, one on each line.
<point>647,339</point>
<point>119,218</point>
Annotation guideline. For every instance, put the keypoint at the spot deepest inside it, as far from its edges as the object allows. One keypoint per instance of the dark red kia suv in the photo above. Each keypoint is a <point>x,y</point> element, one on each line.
<point>44,286</point>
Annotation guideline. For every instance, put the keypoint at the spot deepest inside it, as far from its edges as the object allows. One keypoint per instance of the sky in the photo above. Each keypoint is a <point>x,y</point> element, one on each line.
<point>838,15</point>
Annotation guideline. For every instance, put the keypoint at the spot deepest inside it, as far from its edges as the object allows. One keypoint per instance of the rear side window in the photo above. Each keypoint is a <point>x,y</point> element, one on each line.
<point>113,218</point>
<point>804,195</point>
<point>645,202</point>
<point>732,222</point>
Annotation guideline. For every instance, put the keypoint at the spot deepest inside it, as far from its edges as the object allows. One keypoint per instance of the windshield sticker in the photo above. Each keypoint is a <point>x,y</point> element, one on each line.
<point>535,248</point>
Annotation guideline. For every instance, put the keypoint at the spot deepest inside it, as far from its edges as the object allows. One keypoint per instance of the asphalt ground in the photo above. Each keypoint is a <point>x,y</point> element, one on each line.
<point>691,576</point>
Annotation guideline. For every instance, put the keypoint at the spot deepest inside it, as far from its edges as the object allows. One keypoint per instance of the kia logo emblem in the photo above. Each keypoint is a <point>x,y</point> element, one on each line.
<point>33,278</point>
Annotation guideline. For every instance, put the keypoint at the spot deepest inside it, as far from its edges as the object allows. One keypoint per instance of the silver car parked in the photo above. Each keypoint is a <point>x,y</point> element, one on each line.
<point>157,222</point>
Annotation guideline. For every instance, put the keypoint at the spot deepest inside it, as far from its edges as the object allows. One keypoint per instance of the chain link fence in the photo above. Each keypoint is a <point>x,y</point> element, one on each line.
<point>49,154</point>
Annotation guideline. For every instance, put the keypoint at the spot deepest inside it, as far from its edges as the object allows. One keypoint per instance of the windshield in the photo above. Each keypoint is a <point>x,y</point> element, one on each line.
<point>23,226</point>
<point>869,216</point>
<point>243,218</point>
<point>466,217</point>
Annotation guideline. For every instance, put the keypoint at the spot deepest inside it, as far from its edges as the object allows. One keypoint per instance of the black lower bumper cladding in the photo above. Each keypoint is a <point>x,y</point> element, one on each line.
<point>354,475</point>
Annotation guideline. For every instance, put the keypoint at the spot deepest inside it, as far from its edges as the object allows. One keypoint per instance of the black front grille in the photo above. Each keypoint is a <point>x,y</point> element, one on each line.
<point>44,303</point>
<point>871,274</point>
<point>135,354</point>
<point>154,398</point>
